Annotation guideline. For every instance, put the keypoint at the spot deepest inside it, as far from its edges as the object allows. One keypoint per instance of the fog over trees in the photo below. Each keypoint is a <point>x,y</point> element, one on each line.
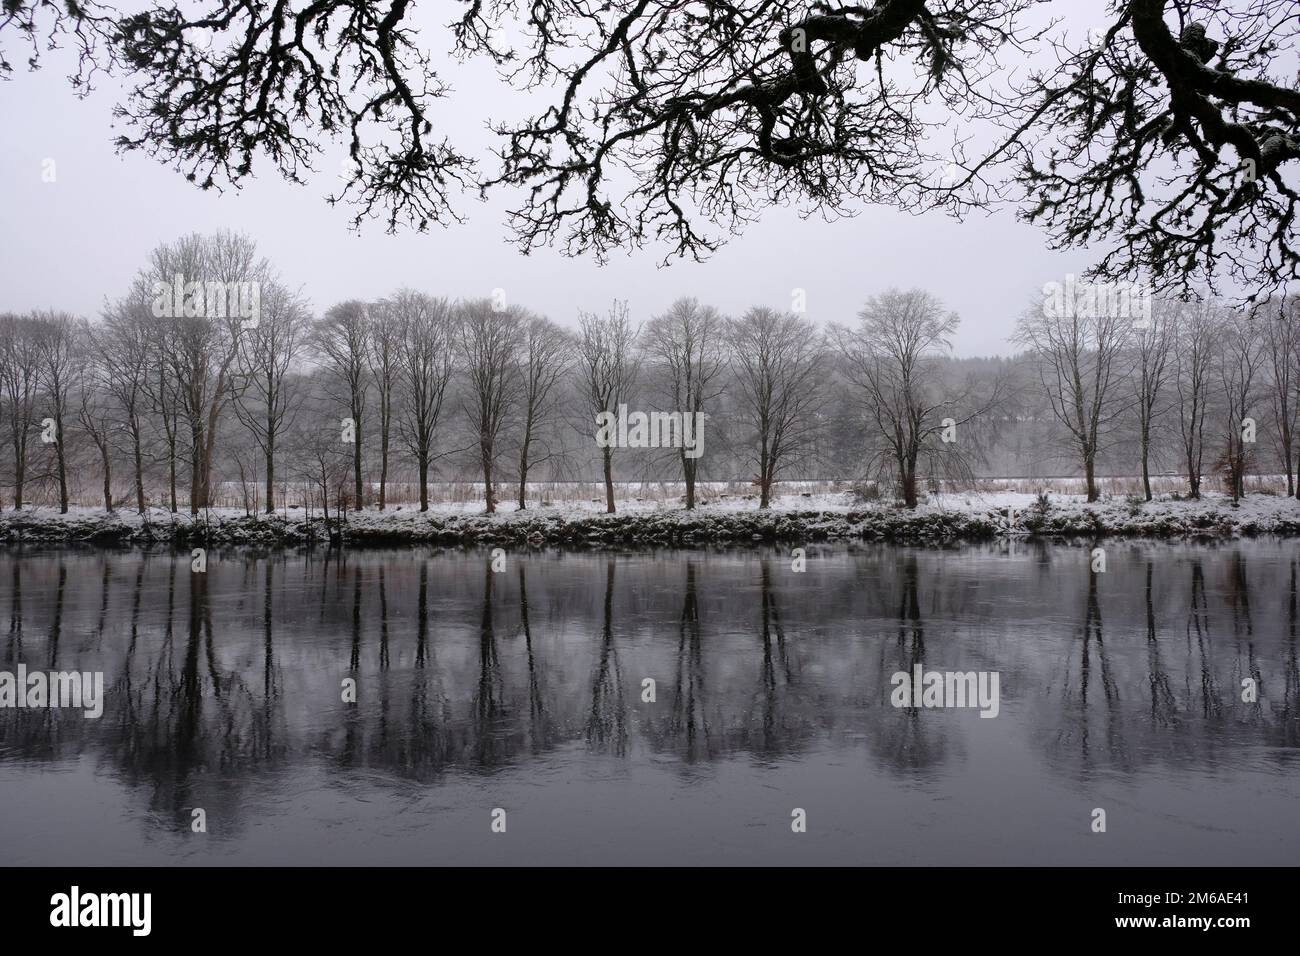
<point>233,389</point>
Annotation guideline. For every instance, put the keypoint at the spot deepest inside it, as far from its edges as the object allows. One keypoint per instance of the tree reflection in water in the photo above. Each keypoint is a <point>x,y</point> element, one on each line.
<point>217,680</point>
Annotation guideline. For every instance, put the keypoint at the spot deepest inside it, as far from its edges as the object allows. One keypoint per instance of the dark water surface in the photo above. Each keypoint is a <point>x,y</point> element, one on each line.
<point>522,690</point>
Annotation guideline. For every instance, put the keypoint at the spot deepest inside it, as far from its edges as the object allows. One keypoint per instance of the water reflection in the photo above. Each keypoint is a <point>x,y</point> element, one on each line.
<point>224,682</point>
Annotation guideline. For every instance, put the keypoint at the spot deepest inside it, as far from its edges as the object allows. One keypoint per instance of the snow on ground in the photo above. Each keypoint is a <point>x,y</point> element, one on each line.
<point>720,516</point>
<point>1257,505</point>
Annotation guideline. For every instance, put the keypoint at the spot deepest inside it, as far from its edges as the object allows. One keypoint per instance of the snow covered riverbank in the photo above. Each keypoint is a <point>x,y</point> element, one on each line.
<point>793,519</point>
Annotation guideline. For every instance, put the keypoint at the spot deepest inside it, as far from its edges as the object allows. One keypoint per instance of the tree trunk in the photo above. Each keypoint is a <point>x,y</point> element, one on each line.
<point>196,470</point>
<point>62,460</point>
<point>356,457</point>
<point>1146,457</point>
<point>609,481</point>
<point>1090,473</point>
<point>424,480</point>
<point>383,466</point>
<point>20,473</point>
<point>688,472</point>
<point>210,451</point>
<point>487,485</point>
<point>524,447</point>
<point>171,460</point>
<point>1286,458</point>
<point>108,476</point>
<point>270,473</point>
<point>908,469</point>
<point>139,468</point>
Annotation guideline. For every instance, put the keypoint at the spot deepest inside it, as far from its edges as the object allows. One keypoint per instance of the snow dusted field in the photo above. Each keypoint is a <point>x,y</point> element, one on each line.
<point>720,518</point>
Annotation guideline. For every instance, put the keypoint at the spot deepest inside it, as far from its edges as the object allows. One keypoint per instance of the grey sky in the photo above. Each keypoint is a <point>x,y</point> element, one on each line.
<point>70,243</point>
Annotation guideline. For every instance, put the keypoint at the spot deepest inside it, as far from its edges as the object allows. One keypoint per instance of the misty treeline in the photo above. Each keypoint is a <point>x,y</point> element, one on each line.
<point>214,398</point>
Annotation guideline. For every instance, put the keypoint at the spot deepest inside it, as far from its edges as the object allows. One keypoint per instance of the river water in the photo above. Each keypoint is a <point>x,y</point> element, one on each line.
<point>524,690</point>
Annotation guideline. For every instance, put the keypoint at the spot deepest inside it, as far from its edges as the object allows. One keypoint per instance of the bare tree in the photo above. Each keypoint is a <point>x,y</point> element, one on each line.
<point>95,412</point>
<point>382,356</point>
<point>265,401</point>
<point>162,387</point>
<point>425,365</point>
<point>1153,346</point>
<point>1195,342</point>
<point>58,345</point>
<point>779,365</point>
<point>608,366</point>
<point>343,338</point>
<point>728,107</point>
<point>202,285</point>
<point>123,348</point>
<point>890,360</point>
<point>1079,354</point>
<point>490,340</point>
<point>643,102</point>
<point>687,343</point>
<point>20,364</point>
<point>1281,321</point>
<point>322,464</point>
<point>1240,365</point>
<point>547,356</point>
<point>1173,128</point>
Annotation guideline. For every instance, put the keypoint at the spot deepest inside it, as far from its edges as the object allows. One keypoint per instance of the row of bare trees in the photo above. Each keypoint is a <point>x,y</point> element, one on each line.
<point>369,391</point>
<point>524,384</point>
<point>158,381</point>
<point>1205,372</point>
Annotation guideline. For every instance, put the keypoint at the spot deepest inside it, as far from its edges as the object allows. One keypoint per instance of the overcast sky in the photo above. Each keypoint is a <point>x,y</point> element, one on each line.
<point>69,243</point>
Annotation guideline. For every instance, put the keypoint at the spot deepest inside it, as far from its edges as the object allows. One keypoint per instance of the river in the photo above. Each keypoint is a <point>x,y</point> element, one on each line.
<point>504,716</point>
